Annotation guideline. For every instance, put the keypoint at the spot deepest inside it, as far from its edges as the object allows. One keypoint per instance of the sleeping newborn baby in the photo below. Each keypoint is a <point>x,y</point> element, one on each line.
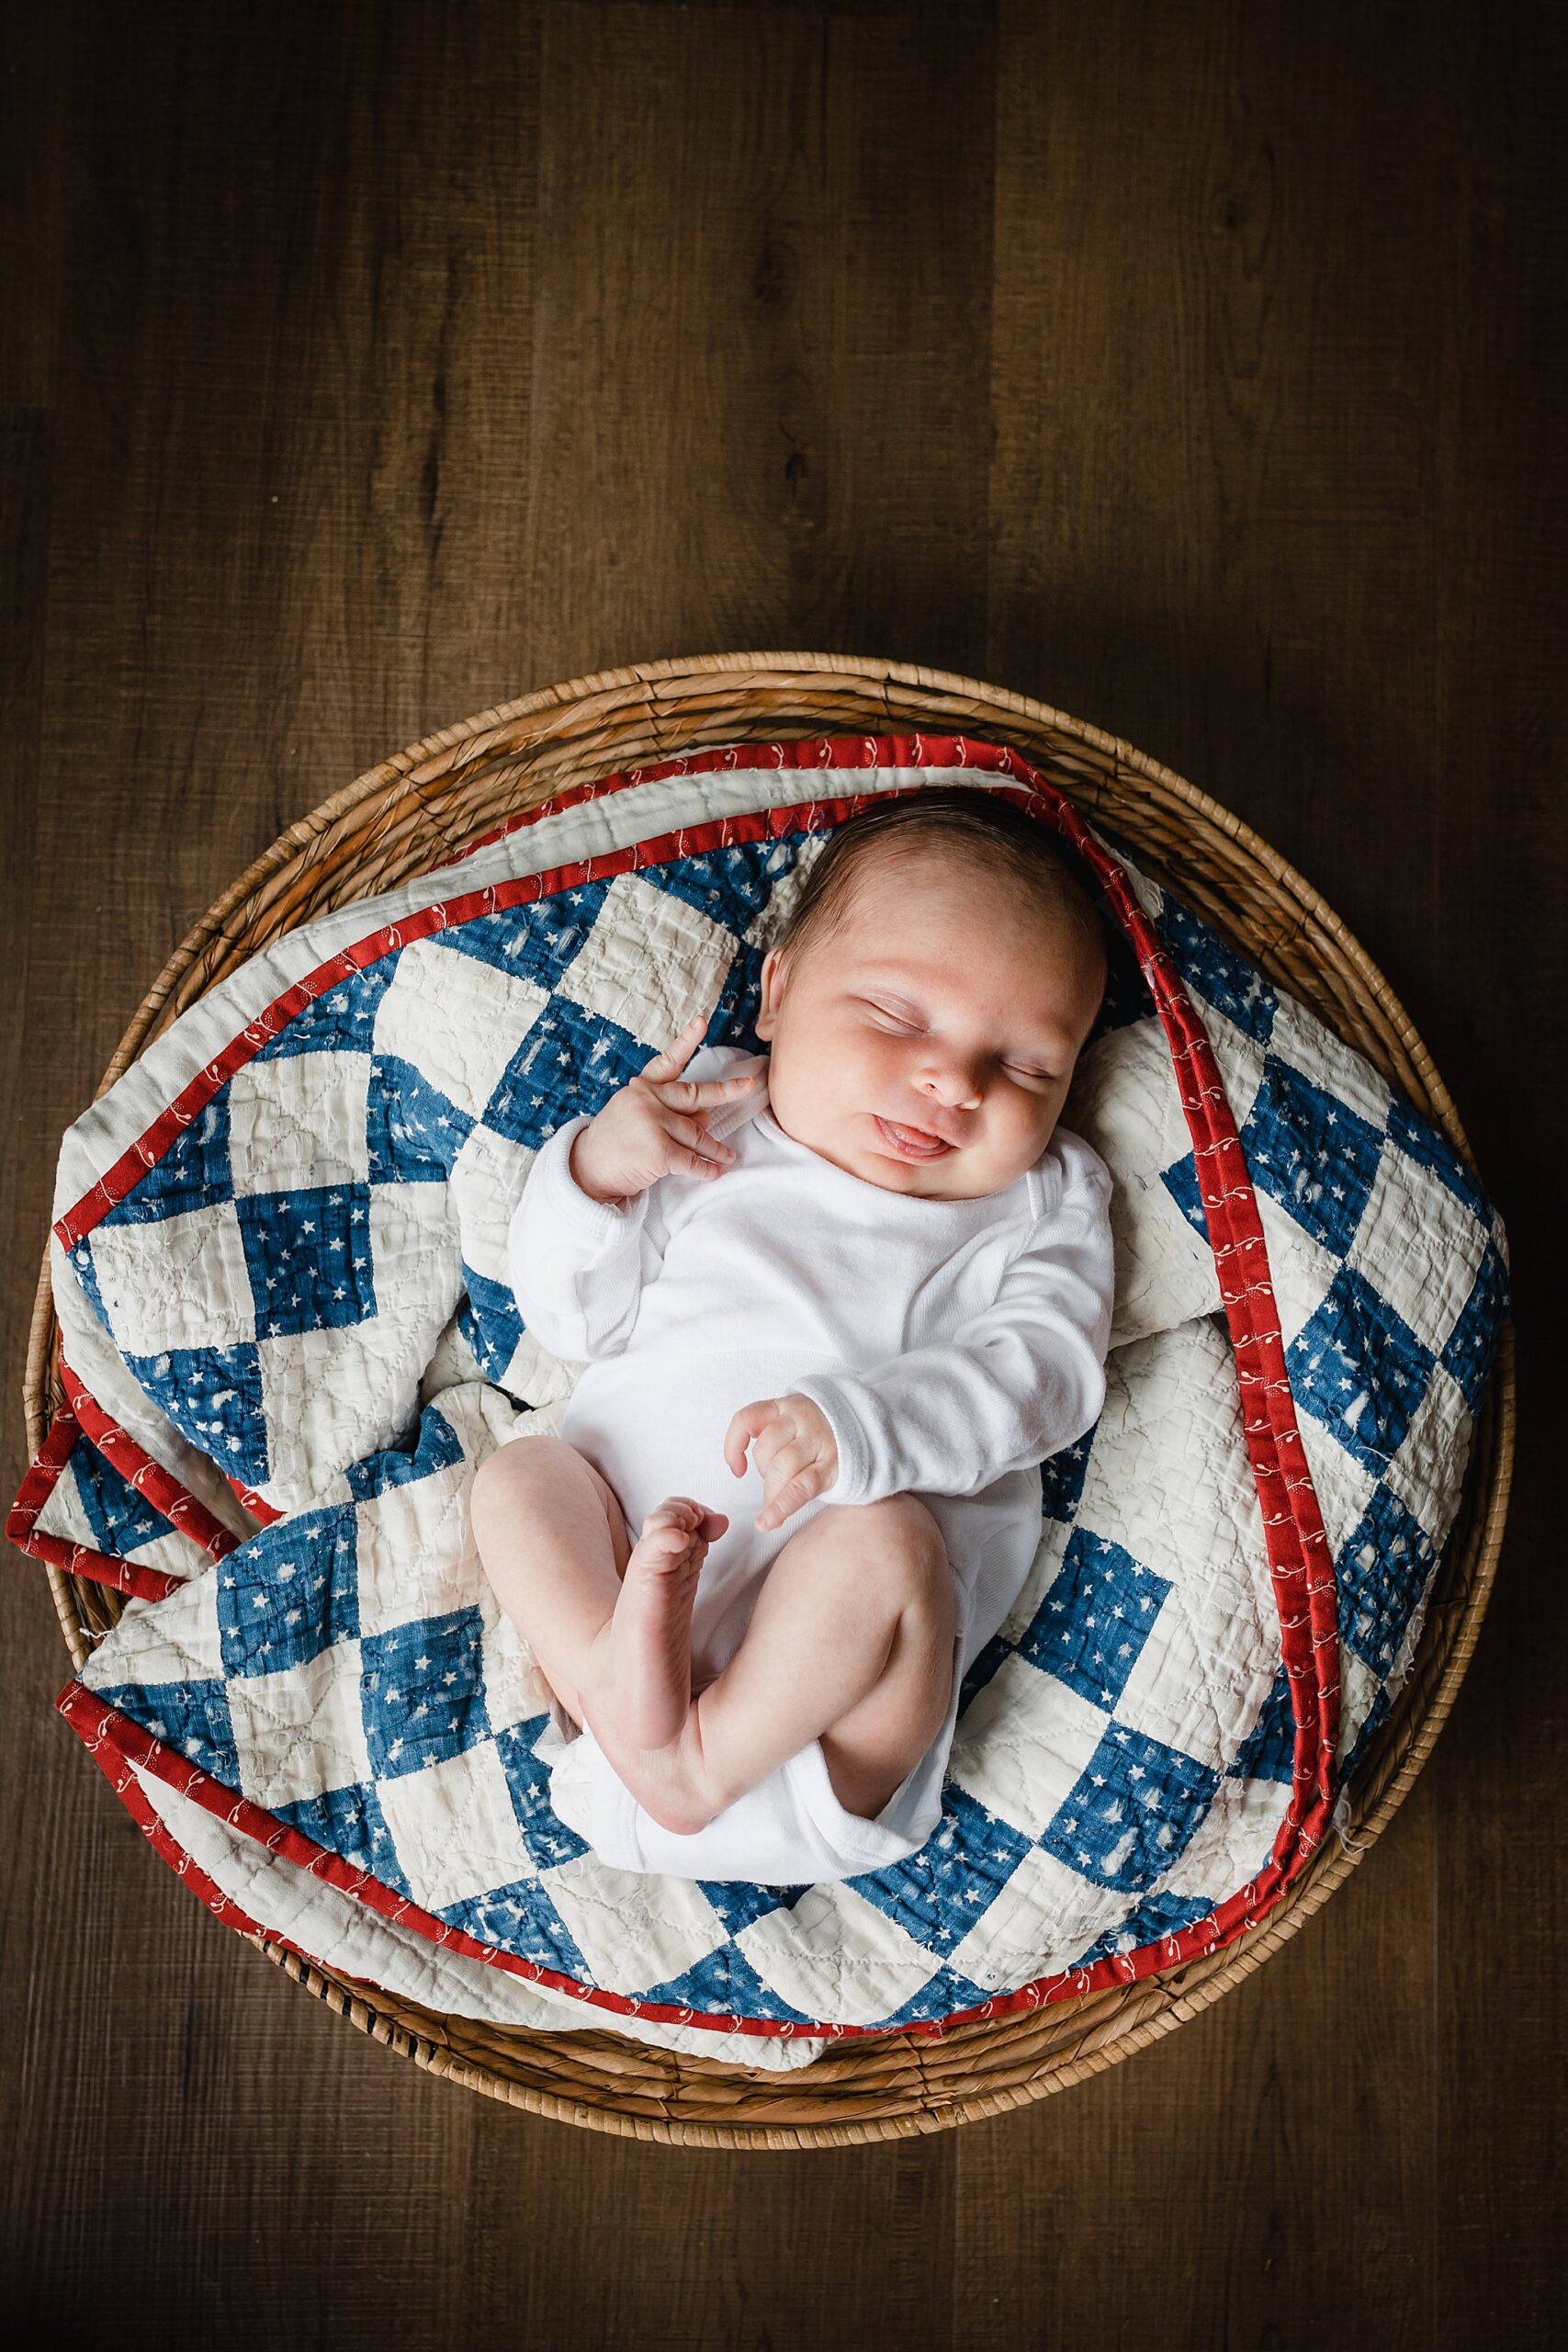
<point>867,1277</point>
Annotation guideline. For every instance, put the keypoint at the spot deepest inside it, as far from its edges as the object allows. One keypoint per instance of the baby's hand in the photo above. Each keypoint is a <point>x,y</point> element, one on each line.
<point>795,1452</point>
<point>647,1129</point>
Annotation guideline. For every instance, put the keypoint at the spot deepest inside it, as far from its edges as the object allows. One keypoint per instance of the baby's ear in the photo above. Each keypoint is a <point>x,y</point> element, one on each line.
<point>769,991</point>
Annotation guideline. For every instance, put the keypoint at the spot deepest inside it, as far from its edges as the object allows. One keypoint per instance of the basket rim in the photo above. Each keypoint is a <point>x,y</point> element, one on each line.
<point>360,2003</point>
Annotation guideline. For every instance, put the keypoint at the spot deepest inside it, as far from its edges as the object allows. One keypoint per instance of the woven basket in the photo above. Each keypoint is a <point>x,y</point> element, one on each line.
<point>422,807</point>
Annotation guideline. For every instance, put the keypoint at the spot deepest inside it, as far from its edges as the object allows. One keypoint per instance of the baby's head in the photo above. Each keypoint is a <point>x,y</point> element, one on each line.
<point>938,972</point>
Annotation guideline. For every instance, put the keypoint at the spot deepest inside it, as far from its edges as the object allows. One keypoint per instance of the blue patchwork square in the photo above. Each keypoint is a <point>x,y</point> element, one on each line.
<point>724,1980</point>
<point>730,886</point>
<point>412,1132</point>
<point>1473,1343</point>
<point>1317,1156</point>
<point>214,1396</point>
<point>739,998</point>
<point>192,1175</point>
<point>489,1322</point>
<point>1132,1811</point>
<point>738,1901</point>
<point>522,1919</point>
<point>570,1060</point>
<point>121,1519</point>
<point>1127,997</point>
<point>350,1822</point>
<point>1062,1477</point>
<point>937,1895</point>
<point>547,1838</point>
<point>308,1255</point>
<point>1098,1612</point>
<point>1217,972</point>
<point>1155,1917</point>
<point>289,1592</point>
<point>437,1447</point>
<point>342,1020</point>
<point>1382,1574</point>
<point>1180,1181</point>
<point>1376,1713</point>
<point>422,1691</point>
<point>1359,1370</point>
<point>539,941</point>
<point>190,1716</point>
<point>1268,1753</point>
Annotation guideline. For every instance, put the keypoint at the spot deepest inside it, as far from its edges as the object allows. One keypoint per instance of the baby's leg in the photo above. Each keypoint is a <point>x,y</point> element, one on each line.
<point>609,1623</point>
<point>851,1638</point>
<point>552,1539</point>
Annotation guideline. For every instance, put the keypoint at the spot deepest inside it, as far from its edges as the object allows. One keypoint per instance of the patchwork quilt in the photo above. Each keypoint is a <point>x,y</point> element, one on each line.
<point>279,1274</point>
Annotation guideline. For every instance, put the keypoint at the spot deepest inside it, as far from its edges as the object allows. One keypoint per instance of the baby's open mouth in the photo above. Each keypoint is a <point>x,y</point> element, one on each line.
<point>911,1143</point>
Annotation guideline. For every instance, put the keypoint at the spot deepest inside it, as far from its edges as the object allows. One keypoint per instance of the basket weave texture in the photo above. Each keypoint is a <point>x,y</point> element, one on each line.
<point>430,803</point>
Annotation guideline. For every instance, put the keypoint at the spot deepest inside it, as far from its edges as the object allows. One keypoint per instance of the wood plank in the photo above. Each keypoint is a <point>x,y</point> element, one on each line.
<point>1498,845</point>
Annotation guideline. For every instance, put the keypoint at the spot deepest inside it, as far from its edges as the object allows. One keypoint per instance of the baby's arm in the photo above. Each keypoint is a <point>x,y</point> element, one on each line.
<point>577,1265</point>
<point>1017,1381</point>
<point>588,1232</point>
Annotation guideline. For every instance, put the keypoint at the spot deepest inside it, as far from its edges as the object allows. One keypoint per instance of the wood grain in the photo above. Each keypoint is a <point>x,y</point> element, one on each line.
<point>1198,369</point>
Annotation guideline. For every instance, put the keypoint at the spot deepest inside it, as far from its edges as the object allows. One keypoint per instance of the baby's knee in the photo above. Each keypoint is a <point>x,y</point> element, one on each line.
<point>506,1477</point>
<point>898,1546</point>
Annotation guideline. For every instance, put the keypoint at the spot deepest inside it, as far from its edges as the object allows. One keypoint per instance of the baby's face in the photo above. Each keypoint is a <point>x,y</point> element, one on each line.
<point>945,1007</point>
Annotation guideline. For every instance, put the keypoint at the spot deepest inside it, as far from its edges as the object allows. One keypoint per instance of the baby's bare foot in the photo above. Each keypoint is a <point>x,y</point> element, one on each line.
<point>644,1654</point>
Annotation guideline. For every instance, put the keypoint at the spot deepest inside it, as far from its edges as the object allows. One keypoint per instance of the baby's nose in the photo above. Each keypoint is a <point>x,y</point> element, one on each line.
<point>953,1086</point>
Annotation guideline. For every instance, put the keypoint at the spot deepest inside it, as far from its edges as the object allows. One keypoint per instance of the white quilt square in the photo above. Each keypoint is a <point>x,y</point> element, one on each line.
<point>650,961</point>
<point>172,1640</point>
<point>1343,1485</point>
<point>1359,1691</point>
<point>1240,1059</point>
<point>515,1692</point>
<point>300,1732</point>
<point>634,1927</point>
<point>1427,1472</point>
<point>180,1283</point>
<point>297,1123</point>
<point>1022,1743</point>
<point>1300,1038</point>
<point>488,1177</point>
<point>1417,1247</point>
<point>1124,1103</point>
<point>837,1956</point>
<point>1232,1843</point>
<point>1044,1918</point>
<point>1200,1680</point>
<point>416,1556</point>
<point>1168,1479</point>
<point>1299,1269</point>
<point>454,1827</point>
<point>458,1020</point>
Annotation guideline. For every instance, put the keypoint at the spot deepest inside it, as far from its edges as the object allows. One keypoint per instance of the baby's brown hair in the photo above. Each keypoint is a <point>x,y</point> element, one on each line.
<point>990,833</point>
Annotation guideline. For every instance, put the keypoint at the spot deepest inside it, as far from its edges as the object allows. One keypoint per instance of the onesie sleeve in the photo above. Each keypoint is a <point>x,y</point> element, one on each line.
<point>576,1266</point>
<point>1018,1379</point>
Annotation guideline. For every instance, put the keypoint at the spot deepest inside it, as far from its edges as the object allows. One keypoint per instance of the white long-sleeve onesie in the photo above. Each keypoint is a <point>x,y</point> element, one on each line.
<point>952,1345</point>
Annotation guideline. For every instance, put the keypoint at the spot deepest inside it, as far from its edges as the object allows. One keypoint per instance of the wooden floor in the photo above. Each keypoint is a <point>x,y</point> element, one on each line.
<point>1198,368</point>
